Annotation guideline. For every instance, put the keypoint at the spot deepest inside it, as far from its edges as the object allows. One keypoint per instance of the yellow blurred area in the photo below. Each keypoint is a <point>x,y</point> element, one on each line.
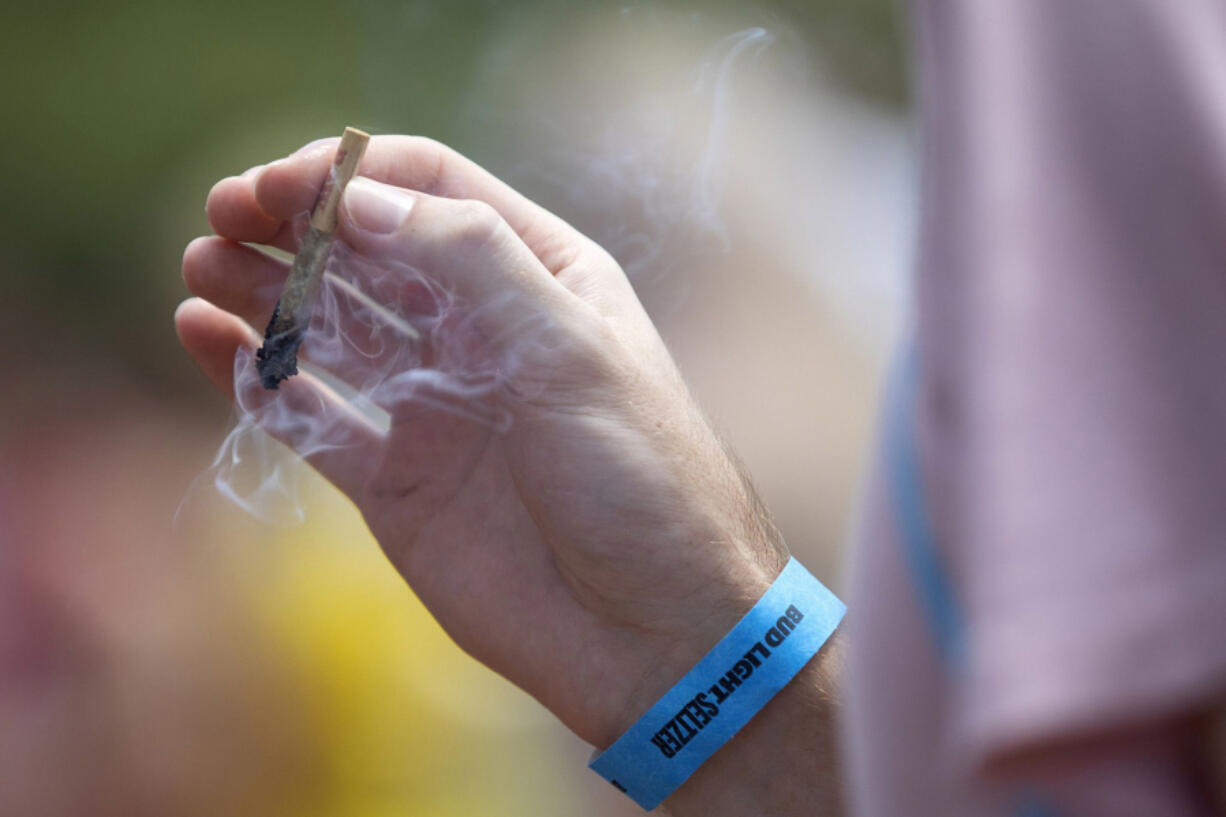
<point>213,664</point>
<point>405,723</point>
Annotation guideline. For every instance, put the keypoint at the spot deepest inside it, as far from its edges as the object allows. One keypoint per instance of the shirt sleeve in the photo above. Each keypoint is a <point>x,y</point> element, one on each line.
<point>1072,290</point>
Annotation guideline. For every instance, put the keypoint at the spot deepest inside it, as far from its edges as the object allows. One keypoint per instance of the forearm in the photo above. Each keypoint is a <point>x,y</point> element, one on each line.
<point>785,762</point>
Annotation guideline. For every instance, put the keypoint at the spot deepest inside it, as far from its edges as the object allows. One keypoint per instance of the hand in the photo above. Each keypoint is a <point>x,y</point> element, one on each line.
<point>597,548</point>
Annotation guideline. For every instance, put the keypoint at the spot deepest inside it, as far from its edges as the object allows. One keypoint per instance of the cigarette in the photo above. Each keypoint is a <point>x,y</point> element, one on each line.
<point>277,359</point>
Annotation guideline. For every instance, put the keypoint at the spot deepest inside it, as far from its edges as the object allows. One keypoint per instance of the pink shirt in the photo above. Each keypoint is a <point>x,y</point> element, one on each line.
<point>1053,561</point>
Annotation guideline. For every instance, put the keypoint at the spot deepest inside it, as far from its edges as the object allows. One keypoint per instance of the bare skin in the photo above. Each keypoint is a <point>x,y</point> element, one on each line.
<point>598,548</point>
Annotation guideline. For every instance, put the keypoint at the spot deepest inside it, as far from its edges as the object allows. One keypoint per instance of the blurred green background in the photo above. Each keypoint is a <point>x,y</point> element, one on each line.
<point>155,662</point>
<point>120,115</point>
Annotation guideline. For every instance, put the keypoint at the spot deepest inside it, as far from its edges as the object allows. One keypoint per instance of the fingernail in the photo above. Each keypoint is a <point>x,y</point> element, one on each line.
<point>375,207</point>
<point>253,171</point>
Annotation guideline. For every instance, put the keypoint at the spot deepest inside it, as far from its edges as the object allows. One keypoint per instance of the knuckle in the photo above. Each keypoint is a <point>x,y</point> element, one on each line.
<point>425,147</point>
<point>424,159</point>
<point>474,222</point>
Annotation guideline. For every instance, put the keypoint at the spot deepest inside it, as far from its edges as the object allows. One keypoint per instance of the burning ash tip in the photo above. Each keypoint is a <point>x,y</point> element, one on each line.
<point>275,368</point>
<point>277,359</point>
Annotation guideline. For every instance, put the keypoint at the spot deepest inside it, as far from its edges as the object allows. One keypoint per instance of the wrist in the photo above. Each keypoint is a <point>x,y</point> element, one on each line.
<point>663,655</point>
<point>786,759</point>
<point>725,691</point>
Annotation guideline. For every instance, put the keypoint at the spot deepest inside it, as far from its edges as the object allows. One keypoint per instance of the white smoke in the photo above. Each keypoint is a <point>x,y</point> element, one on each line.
<point>386,338</point>
<point>383,337</point>
<point>644,176</point>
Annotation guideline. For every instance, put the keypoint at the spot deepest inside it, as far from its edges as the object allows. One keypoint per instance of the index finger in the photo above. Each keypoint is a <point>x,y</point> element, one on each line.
<point>256,206</point>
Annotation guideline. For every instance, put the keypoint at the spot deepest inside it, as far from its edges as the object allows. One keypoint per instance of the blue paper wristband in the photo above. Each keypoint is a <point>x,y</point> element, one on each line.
<point>717,697</point>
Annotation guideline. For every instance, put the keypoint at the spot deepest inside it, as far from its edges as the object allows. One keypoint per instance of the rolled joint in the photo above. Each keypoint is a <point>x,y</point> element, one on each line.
<point>277,358</point>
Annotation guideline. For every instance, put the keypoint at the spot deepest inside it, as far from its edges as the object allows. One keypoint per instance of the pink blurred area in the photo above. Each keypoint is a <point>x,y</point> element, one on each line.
<point>161,653</point>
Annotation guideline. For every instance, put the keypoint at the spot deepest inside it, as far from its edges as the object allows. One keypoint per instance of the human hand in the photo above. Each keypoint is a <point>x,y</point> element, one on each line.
<point>594,549</point>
